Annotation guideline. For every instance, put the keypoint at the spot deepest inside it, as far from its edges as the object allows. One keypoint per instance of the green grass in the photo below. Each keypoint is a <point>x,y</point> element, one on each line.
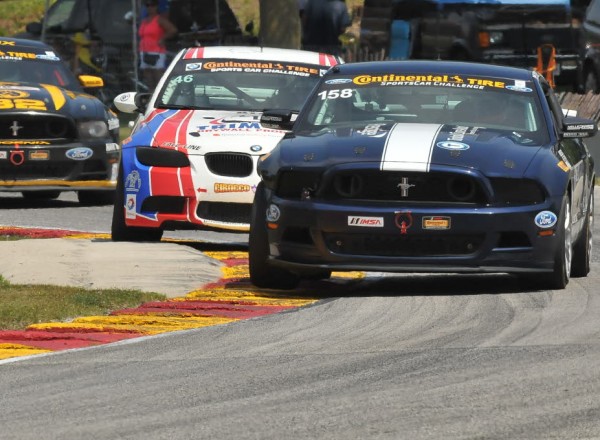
<point>22,305</point>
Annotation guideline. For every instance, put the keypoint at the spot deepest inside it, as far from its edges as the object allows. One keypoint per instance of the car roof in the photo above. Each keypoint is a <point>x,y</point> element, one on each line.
<point>23,44</point>
<point>262,54</point>
<point>435,67</point>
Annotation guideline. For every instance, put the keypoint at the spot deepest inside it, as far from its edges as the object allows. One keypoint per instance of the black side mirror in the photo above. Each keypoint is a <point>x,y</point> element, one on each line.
<point>34,28</point>
<point>277,119</point>
<point>142,100</point>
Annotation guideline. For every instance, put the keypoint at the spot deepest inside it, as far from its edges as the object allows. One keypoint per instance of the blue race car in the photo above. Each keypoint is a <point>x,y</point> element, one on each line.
<point>421,166</point>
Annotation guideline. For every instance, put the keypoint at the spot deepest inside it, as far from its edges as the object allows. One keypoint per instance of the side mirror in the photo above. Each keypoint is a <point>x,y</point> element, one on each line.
<point>91,82</point>
<point>131,102</point>
<point>578,127</point>
<point>34,28</point>
<point>278,119</point>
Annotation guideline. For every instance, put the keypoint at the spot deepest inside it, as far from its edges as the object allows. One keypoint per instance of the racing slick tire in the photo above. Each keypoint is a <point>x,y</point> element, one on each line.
<point>564,253</point>
<point>582,249</point>
<point>261,273</point>
<point>119,230</point>
<point>96,198</point>
<point>41,195</point>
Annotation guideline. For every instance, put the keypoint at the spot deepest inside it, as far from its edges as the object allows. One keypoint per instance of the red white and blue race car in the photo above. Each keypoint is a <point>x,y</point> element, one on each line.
<point>191,157</point>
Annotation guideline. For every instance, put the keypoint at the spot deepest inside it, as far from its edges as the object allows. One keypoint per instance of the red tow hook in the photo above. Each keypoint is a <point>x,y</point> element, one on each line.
<point>17,157</point>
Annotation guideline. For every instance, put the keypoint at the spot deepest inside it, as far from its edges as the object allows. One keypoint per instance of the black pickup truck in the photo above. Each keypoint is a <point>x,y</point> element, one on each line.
<point>541,34</point>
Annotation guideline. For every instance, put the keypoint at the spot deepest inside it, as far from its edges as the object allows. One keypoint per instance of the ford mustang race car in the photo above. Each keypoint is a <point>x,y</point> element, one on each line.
<point>53,136</point>
<point>191,158</point>
<point>415,166</point>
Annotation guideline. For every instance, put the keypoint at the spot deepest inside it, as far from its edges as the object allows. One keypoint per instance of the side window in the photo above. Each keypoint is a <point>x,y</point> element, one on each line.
<point>573,150</point>
<point>60,13</point>
<point>593,13</point>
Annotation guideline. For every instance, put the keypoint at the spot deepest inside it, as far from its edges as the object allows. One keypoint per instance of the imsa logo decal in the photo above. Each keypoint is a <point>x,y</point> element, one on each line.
<point>369,222</point>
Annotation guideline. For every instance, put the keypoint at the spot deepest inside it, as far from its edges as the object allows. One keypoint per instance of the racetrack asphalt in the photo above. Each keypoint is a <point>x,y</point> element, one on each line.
<point>203,288</point>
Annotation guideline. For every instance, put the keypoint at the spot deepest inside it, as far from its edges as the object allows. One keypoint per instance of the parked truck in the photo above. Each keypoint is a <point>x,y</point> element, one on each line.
<point>540,34</point>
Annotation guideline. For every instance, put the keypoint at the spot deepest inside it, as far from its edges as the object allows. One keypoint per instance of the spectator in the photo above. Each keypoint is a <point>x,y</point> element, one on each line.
<point>154,30</point>
<point>323,23</point>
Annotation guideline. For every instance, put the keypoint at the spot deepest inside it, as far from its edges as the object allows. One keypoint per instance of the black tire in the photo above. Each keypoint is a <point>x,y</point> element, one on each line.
<point>582,249</point>
<point>119,230</point>
<point>41,195</point>
<point>96,198</point>
<point>591,83</point>
<point>563,258</point>
<point>261,273</point>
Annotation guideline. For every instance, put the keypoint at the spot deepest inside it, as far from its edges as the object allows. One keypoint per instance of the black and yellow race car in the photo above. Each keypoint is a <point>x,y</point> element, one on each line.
<point>54,136</point>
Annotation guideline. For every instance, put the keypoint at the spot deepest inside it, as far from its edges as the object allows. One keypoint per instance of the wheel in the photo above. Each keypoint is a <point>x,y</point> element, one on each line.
<point>41,195</point>
<point>582,249</point>
<point>119,230</point>
<point>591,82</point>
<point>96,198</point>
<point>564,252</point>
<point>261,273</point>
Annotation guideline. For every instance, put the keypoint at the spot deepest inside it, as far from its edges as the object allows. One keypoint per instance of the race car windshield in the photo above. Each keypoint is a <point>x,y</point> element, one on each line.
<point>38,71</point>
<point>505,106</point>
<point>198,86</point>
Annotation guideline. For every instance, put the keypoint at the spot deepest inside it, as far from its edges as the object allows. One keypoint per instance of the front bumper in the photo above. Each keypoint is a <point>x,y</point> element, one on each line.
<point>311,235</point>
<point>38,165</point>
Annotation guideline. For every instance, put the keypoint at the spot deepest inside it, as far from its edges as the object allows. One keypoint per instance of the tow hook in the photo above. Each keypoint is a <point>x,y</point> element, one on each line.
<point>17,157</point>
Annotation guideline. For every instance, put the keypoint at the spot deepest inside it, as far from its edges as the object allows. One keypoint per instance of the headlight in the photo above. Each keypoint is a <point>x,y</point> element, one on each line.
<point>496,38</point>
<point>92,129</point>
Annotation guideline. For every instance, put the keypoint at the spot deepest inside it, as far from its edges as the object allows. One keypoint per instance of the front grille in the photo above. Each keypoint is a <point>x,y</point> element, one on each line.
<point>33,127</point>
<point>225,212</point>
<point>433,187</point>
<point>229,164</point>
<point>403,245</point>
<point>84,170</point>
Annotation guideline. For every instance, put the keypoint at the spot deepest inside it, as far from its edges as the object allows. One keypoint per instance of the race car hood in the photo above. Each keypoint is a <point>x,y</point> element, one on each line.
<point>202,131</point>
<point>49,99</point>
<point>414,147</point>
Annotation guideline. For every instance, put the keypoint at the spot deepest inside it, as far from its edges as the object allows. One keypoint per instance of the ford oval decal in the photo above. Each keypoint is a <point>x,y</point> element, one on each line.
<point>80,153</point>
<point>338,81</point>
<point>452,145</point>
<point>545,219</point>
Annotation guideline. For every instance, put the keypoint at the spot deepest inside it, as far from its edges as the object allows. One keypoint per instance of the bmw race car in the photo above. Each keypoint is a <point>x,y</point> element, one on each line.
<point>416,166</point>
<point>191,158</point>
<point>53,136</point>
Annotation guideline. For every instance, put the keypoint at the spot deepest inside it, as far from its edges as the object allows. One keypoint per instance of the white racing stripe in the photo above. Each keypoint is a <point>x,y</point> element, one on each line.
<point>409,147</point>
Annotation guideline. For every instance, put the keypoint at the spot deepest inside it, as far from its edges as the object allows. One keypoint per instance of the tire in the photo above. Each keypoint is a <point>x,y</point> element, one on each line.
<point>96,198</point>
<point>591,83</point>
<point>563,258</point>
<point>119,230</point>
<point>41,195</point>
<point>582,249</point>
<point>261,273</point>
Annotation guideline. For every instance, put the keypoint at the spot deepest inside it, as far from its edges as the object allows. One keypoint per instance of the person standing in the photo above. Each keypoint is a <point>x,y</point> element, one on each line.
<point>155,29</point>
<point>323,23</point>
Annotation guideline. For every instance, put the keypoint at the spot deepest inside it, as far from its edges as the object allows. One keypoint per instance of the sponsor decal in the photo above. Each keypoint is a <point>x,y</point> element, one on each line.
<point>190,67</point>
<point>436,222</point>
<point>338,81</point>
<point>231,187</point>
<point>111,146</point>
<point>113,123</point>
<point>124,97</point>
<point>22,142</point>
<point>403,220</point>
<point>260,67</point>
<point>273,213</point>
<point>359,151</point>
<point>11,94</point>
<point>49,56</point>
<point>563,166</point>
<point>79,153</point>
<point>545,219</point>
<point>133,182</point>
<point>309,157</point>
<point>39,155</point>
<point>371,130</point>
<point>369,222</point>
<point>519,89</point>
<point>581,127</point>
<point>7,43</point>
<point>452,145</point>
<point>3,154</point>
<point>130,204</point>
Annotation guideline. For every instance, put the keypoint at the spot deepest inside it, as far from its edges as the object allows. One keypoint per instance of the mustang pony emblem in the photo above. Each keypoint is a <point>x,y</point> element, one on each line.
<point>15,127</point>
<point>404,186</point>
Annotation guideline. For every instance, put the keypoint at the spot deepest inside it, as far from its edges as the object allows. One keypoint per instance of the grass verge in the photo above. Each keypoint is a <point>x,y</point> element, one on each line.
<point>23,305</point>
